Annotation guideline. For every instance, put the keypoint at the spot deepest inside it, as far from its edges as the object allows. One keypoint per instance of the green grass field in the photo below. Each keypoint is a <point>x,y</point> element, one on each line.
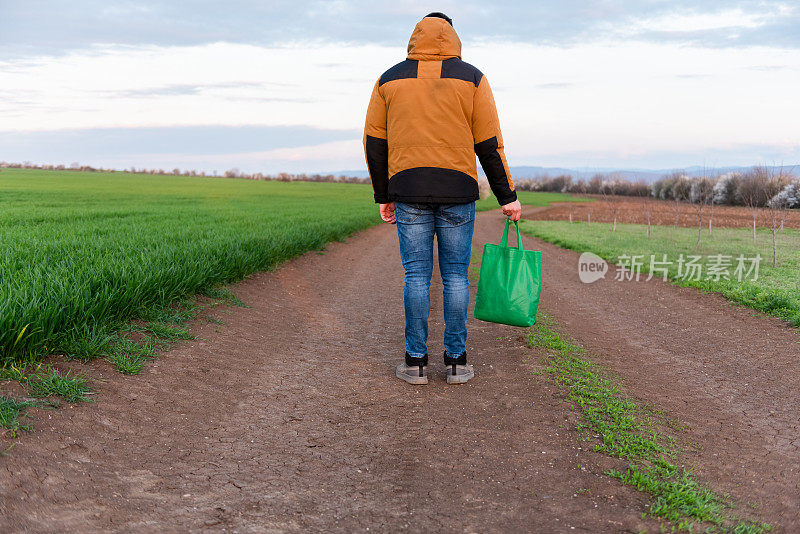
<point>776,291</point>
<point>84,251</point>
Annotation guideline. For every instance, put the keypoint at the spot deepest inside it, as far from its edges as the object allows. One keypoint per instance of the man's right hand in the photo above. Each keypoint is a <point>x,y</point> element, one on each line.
<point>513,210</point>
<point>387,213</point>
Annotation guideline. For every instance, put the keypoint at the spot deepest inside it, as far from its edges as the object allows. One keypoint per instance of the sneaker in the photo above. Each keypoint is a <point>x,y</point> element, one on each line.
<point>458,370</point>
<point>413,370</point>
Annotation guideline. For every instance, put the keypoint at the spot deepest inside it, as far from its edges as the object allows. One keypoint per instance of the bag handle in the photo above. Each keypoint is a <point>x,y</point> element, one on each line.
<point>504,241</point>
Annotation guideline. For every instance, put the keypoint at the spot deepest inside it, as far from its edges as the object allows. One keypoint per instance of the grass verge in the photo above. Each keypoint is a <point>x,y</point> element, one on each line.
<point>10,409</point>
<point>129,356</point>
<point>776,291</point>
<point>127,348</point>
<point>631,432</point>
<point>55,383</point>
<point>165,326</point>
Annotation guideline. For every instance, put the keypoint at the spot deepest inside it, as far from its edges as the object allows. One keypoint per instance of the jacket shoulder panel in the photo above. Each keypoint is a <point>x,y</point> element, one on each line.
<point>404,69</point>
<point>461,70</point>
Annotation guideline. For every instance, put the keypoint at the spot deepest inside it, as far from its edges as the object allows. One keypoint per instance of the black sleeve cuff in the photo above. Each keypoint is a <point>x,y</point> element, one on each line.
<point>507,199</point>
<point>495,171</point>
<point>377,151</point>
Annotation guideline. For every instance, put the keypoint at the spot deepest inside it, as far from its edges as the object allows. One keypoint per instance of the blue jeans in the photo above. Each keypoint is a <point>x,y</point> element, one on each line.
<point>452,224</point>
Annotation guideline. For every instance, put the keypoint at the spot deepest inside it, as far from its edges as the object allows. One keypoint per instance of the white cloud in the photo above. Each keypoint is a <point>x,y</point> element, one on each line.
<point>325,157</point>
<point>593,100</point>
<point>124,10</point>
<point>630,99</point>
<point>348,150</point>
<point>239,84</point>
<point>691,22</point>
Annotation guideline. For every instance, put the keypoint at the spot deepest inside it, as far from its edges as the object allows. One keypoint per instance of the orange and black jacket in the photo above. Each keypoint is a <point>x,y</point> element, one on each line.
<point>427,119</point>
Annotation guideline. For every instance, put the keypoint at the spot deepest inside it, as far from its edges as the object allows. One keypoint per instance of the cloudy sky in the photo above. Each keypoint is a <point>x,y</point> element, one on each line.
<point>276,86</point>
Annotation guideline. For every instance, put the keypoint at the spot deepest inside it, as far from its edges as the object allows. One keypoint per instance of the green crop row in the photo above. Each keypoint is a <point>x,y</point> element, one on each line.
<point>82,252</point>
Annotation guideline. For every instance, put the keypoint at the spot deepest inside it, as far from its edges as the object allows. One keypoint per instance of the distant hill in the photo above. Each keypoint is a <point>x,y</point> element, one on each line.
<point>648,175</point>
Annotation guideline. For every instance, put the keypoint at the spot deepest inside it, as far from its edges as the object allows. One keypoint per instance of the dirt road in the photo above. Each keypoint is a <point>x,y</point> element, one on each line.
<point>288,417</point>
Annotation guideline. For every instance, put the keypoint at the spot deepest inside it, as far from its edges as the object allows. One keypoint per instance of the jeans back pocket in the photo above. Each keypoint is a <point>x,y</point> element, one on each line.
<point>407,213</point>
<point>457,214</point>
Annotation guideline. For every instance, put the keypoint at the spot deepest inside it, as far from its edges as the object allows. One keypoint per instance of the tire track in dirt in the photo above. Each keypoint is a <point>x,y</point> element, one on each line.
<point>729,373</point>
<point>289,418</point>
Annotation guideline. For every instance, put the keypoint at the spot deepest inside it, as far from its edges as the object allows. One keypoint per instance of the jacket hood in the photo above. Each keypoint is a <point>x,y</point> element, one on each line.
<point>434,39</point>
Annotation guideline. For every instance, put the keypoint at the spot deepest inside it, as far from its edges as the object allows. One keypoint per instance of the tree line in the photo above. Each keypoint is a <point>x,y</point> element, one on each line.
<point>771,188</point>
<point>758,186</point>
<point>230,173</point>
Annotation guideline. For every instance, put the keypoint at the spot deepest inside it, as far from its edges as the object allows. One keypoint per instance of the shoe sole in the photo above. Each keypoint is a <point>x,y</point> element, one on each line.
<point>416,380</point>
<point>460,378</point>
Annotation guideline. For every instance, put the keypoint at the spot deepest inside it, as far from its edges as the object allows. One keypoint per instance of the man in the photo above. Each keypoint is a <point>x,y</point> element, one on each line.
<point>427,119</point>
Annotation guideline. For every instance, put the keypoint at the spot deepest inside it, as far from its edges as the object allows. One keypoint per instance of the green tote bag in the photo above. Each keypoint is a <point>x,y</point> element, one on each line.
<point>510,283</point>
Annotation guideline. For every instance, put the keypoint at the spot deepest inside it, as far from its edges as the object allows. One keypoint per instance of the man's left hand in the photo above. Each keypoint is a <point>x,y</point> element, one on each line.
<point>513,210</point>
